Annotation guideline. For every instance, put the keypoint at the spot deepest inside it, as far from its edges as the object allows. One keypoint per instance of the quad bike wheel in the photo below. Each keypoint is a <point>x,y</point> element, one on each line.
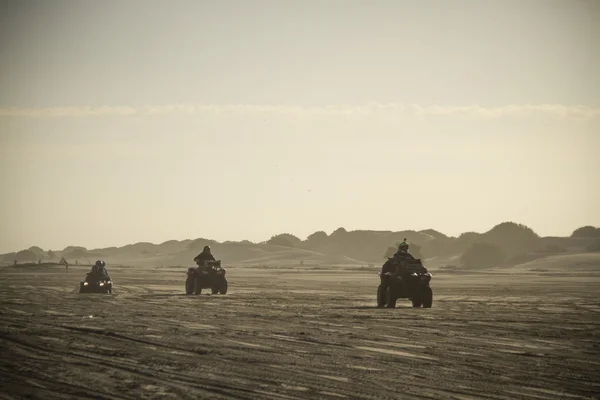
<point>223,288</point>
<point>381,296</point>
<point>189,286</point>
<point>416,301</point>
<point>391,297</point>
<point>427,297</point>
<point>417,297</point>
<point>198,287</point>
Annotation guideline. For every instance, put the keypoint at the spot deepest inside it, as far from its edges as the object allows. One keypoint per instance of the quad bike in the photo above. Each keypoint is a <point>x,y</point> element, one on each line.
<point>209,276</point>
<point>410,280</point>
<point>93,284</point>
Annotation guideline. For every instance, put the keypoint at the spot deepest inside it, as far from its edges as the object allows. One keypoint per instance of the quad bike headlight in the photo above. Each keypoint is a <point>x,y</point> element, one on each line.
<point>101,283</point>
<point>85,283</point>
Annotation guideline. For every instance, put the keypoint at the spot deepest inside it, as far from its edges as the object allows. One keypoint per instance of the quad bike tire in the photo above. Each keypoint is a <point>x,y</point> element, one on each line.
<point>427,297</point>
<point>423,298</point>
<point>223,288</point>
<point>189,286</point>
<point>416,301</point>
<point>391,297</point>
<point>381,296</point>
<point>197,286</point>
<point>220,287</point>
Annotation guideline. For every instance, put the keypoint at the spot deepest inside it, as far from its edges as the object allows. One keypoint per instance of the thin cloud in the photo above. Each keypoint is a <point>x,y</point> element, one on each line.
<point>371,109</point>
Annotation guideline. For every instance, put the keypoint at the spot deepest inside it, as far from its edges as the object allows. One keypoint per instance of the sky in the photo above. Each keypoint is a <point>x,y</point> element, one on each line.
<point>123,122</point>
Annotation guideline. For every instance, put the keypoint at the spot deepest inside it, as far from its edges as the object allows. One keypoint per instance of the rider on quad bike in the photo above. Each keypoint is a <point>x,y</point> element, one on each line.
<point>397,264</point>
<point>404,276</point>
<point>402,253</point>
<point>97,280</point>
<point>403,247</point>
<point>206,255</point>
<point>208,275</point>
<point>99,270</point>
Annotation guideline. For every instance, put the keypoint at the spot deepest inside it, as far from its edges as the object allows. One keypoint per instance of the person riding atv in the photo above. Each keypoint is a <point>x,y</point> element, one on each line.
<point>404,276</point>
<point>402,254</point>
<point>99,270</point>
<point>397,264</point>
<point>206,255</point>
<point>208,274</point>
<point>403,247</point>
<point>97,280</point>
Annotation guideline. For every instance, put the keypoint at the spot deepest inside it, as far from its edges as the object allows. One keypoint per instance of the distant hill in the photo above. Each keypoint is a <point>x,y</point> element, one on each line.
<point>574,263</point>
<point>516,243</point>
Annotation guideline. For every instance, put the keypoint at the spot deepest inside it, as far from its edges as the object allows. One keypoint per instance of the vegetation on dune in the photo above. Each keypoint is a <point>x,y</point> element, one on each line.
<point>285,239</point>
<point>434,233</point>
<point>586,232</point>
<point>69,249</point>
<point>505,243</point>
<point>316,238</point>
<point>240,243</point>
<point>26,255</point>
<point>198,244</point>
<point>37,250</point>
<point>76,253</point>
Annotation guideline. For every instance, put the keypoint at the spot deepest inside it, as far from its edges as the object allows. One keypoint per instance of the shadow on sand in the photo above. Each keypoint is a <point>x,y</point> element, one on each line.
<point>356,308</point>
<point>181,295</point>
<point>168,295</point>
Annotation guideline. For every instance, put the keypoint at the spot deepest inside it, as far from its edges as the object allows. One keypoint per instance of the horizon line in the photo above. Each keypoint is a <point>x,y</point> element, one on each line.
<point>283,233</point>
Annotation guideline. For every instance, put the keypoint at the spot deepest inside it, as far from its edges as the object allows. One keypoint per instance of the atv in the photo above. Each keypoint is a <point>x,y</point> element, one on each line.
<point>407,279</point>
<point>209,276</point>
<point>92,284</point>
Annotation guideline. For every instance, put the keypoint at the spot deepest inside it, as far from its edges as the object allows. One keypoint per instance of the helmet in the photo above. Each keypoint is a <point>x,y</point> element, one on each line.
<point>100,263</point>
<point>403,245</point>
<point>206,249</point>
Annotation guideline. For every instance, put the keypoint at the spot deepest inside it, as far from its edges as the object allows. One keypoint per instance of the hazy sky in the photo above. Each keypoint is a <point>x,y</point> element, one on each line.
<point>147,120</point>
